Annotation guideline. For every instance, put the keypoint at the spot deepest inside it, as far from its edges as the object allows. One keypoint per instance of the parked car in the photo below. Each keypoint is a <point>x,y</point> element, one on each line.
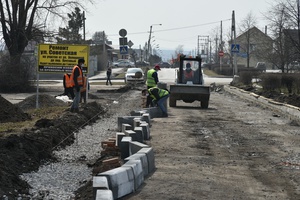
<point>261,66</point>
<point>134,75</point>
<point>142,63</point>
<point>164,65</point>
<point>295,65</point>
<point>123,63</point>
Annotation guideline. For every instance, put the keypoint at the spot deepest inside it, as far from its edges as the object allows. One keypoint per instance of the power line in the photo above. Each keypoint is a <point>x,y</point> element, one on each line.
<point>173,29</point>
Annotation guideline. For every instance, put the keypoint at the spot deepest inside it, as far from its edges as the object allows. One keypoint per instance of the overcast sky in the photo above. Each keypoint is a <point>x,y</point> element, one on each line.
<point>182,20</point>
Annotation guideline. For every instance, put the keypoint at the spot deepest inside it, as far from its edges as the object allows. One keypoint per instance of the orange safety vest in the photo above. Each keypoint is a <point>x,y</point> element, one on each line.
<point>188,75</point>
<point>68,81</point>
<point>83,89</point>
<point>79,78</point>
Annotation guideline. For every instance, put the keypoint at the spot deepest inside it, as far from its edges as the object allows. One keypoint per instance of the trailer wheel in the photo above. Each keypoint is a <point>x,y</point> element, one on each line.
<point>204,104</point>
<point>172,102</point>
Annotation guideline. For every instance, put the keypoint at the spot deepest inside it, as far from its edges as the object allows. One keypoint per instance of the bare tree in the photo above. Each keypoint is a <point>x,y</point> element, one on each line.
<point>282,16</point>
<point>98,37</point>
<point>247,23</point>
<point>20,20</point>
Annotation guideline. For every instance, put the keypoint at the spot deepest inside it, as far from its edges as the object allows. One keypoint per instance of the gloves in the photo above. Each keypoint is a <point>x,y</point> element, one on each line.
<point>77,89</point>
<point>154,102</point>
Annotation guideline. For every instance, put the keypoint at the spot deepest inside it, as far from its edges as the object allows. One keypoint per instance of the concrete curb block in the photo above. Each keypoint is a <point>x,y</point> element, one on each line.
<point>291,112</point>
<point>137,168</point>
<point>138,157</point>
<point>126,120</point>
<point>143,158</point>
<point>135,146</point>
<point>104,195</point>
<point>120,180</point>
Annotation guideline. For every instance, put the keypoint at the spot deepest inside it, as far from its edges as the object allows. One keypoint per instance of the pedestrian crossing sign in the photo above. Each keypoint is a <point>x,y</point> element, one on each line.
<point>235,48</point>
<point>123,50</point>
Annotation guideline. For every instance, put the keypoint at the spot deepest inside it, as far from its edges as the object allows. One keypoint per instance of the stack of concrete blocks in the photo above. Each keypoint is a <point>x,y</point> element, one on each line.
<point>129,177</point>
<point>138,158</point>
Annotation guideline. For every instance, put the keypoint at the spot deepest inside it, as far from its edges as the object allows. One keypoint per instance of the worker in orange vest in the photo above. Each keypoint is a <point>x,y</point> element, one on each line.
<point>68,88</point>
<point>188,73</point>
<point>77,83</point>
<point>84,89</point>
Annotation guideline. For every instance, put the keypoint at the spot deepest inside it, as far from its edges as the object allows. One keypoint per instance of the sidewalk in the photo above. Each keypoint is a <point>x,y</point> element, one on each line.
<point>55,87</point>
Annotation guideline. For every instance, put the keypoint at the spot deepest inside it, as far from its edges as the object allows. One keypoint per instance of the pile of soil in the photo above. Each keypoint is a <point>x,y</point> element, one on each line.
<point>10,112</point>
<point>44,100</point>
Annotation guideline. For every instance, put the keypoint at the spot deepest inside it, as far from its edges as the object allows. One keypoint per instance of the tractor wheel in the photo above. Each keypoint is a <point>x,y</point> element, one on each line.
<point>172,102</point>
<point>204,104</point>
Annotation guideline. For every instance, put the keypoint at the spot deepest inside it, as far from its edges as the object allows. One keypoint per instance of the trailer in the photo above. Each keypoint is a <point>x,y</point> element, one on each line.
<point>189,84</point>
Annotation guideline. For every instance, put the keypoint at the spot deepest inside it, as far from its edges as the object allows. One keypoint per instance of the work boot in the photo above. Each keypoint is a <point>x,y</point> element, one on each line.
<point>71,109</point>
<point>76,110</point>
<point>165,115</point>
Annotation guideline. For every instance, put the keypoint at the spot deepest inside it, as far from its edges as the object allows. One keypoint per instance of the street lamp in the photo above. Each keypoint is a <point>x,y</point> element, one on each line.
<point>148,48</point>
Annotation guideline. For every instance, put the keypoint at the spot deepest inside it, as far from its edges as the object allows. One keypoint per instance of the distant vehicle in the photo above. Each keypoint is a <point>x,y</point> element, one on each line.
<point>164,65</point>
<point>134,75</point>
<point>123,63</point>
<point>295,65</point>
<point>142,63</point>
<point>189,86</point>
<point>261,66</point>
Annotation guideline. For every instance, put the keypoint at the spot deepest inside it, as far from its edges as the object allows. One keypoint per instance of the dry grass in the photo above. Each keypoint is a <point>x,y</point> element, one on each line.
<point>36,114</point>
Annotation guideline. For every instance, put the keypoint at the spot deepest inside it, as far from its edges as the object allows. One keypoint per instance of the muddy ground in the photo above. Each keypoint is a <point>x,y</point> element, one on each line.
<point>233,150</point>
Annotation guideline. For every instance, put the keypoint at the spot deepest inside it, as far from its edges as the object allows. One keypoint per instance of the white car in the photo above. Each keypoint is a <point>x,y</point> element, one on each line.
<point>123,63</point>
<point>134,75</point>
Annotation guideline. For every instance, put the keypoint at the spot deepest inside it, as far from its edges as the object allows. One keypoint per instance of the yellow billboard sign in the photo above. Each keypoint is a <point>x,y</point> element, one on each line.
<point>61,58</point>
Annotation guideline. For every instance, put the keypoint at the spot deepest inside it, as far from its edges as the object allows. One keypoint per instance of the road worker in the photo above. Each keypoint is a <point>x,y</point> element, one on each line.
<point>77,78</point>
<point>68,88</point>
<point>159,96</point>
<point>152,80</point>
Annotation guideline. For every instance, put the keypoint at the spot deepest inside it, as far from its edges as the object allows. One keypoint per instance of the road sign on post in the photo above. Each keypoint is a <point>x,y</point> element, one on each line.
<point>122,32</point>
<point>130,43</point>
<point>235,48</point>
<point>221,53</point>
<point>123,41</point>
<point>123,50</point>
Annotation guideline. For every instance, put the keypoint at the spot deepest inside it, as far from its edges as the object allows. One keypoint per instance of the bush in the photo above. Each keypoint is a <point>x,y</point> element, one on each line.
<point>246,77</point>
<point>271,82</point>
<point>287,81</point>
<point>14,76</point>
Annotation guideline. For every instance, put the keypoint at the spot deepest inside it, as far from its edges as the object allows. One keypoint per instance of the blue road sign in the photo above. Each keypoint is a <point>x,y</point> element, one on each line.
<point>123,50</point>
<point>235,48</point>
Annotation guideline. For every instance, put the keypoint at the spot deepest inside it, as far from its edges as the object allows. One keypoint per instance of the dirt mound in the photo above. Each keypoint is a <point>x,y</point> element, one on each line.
<point>10,112</point>
<point>44,101</point>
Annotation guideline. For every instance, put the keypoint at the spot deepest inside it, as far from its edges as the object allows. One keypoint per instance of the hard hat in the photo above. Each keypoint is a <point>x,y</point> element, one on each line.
<point>157,67</point>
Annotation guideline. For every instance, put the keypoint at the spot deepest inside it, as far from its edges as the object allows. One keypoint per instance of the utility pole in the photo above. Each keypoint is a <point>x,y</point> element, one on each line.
<point>104,50</point>
<point>204,45</point>
<point>83,16</point>
<point>221,48</point>
<point>234,41</point>
<point>149,40</point>
<point>216,53</point>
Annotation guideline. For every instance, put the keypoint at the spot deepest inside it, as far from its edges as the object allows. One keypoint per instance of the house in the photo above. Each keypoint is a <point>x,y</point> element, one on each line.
<point>254,46</point>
